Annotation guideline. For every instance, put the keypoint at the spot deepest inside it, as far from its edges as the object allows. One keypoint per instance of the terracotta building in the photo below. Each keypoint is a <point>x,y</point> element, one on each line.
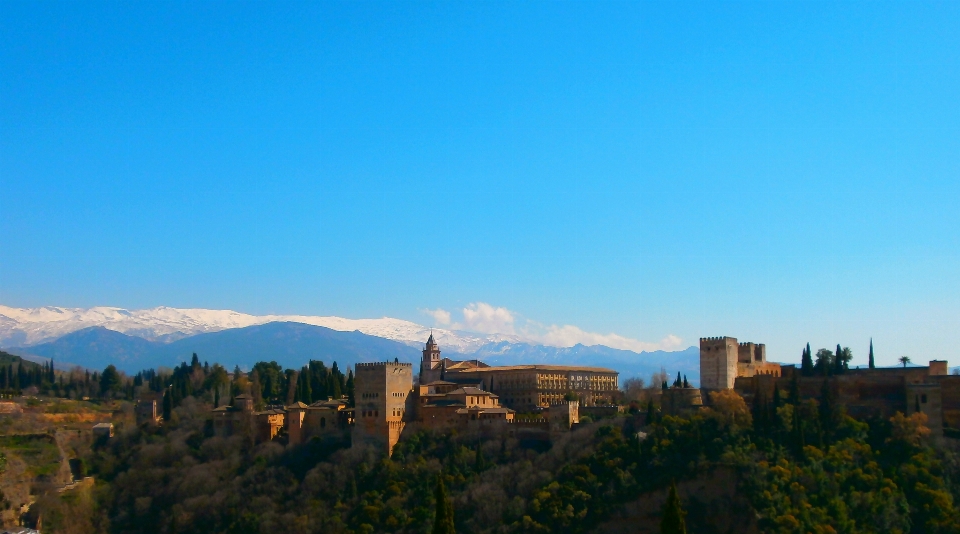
<point>522,387</point>
<point>317,420</point>
<point>443,404</point>
<point>265,425</point>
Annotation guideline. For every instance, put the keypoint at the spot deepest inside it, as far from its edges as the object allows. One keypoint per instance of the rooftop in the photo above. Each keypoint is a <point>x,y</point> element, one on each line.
<point>563,368</point>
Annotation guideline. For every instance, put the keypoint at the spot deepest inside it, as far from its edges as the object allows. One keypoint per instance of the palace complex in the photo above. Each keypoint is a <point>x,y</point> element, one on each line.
<point>473,395</point>
<point>450,394</point>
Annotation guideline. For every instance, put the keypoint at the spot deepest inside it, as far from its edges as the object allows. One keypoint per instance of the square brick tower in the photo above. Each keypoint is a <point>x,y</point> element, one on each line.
<point>718,362</point>
<point>382,393</point>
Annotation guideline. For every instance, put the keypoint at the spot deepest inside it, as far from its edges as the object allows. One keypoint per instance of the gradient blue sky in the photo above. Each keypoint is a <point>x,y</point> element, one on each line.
<point>781,172</point>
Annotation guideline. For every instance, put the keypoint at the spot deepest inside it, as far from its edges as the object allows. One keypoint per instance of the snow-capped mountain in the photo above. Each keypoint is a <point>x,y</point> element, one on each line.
<point>31,326</point>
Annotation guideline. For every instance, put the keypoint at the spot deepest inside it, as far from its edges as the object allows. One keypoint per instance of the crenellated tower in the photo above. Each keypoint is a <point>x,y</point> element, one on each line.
<point>718,362</point>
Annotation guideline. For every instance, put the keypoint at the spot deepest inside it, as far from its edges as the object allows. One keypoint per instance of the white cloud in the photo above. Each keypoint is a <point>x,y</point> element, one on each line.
<point>440,316</point>
<point>484,318</point>
<point>488,319</point>
<point>569,335</point>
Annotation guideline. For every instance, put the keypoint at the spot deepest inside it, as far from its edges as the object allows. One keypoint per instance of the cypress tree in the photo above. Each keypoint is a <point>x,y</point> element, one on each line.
<point>167,405</point>
<point>333,386</point>
<point>256,389</point>
<point>651,412</point>
<point>216,397</point>
<point>479,462</point>
<point>872,364</point>
<point>828,409</point>
<point>350,389</point>
<point>806,362</point>
<point>759,414</point>
<point>443,520</point>
<point>678,383</point>
<point>673,522</point>
<point>685,383</point>
<point>794,395</point>
<point>838,360</point>
<point>798,440</point>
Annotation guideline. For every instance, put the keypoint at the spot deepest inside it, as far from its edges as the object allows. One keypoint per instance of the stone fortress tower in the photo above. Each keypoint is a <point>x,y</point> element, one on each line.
<point>382,395</point>
<point>718,362</point>
<point>723,359</point>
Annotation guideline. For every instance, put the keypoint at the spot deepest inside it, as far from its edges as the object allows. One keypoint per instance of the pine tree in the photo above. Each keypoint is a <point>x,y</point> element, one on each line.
<point>872,364</point>
<point>672,522</point>
<point>806,362</point>
<point>443,520</point>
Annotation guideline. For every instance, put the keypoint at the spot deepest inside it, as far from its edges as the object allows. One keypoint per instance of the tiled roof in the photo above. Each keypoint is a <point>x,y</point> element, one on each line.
<point>564,368</point>
<point>469,391</point>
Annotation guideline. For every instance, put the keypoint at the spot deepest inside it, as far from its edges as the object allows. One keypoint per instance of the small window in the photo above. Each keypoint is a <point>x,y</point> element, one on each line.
<point>323,422</point>
<point>923,398</point>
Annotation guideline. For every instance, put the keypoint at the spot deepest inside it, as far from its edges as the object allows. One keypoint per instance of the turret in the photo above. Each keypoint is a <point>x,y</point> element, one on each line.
<point>430,365</point>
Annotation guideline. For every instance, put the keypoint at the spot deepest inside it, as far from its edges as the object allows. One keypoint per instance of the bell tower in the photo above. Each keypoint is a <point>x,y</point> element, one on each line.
<point>430,365</point>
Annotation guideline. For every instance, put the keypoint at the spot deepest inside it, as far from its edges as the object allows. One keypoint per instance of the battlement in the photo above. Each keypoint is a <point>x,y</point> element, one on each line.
<point>383,365</point>
<point>521,422</point>
<point>716,342</point>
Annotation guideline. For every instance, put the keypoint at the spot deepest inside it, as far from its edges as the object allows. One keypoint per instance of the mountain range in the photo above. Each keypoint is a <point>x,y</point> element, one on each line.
<point>163,337</point>
<point>23,327</point>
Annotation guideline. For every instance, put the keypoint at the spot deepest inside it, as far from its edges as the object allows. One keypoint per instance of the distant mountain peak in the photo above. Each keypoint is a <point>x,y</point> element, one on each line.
<point>32,326</point>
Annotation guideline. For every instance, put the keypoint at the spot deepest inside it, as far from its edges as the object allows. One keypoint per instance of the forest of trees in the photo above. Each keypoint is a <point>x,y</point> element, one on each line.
<point>267,382</point>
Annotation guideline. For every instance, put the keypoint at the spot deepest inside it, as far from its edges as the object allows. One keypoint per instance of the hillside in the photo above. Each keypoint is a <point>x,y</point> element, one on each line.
<point>8,359</point>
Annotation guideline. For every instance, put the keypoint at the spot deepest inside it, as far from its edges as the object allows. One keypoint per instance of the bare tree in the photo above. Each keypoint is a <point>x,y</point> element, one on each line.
<point>633,389</point>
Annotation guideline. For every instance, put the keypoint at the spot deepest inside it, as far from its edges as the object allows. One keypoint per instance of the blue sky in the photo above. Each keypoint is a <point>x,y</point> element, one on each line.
<point>781,172</point>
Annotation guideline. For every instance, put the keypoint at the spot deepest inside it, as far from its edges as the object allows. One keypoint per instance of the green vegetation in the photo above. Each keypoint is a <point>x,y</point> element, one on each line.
<point>850,476</point>
<point>795,466</point>
<point>39,451</point>
<point>673,522</point>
